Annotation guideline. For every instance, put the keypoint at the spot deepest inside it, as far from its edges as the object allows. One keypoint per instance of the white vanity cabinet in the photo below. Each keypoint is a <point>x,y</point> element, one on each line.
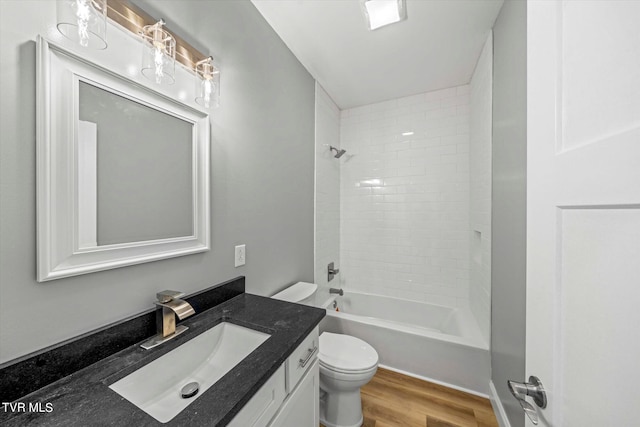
<point>301,408</point>
<point>264,404</point>
<point>290,398</point>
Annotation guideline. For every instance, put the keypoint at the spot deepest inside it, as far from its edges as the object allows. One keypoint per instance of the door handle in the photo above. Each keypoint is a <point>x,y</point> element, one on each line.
<point>533,389</point>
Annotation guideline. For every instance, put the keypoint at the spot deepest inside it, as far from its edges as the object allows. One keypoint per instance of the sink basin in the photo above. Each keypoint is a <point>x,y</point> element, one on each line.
<point>156,387</point>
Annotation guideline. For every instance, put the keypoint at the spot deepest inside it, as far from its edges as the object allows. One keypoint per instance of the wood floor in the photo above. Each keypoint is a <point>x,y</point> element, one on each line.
<point>395,400</point>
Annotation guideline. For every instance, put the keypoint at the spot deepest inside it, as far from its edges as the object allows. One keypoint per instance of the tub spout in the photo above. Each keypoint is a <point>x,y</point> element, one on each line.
<point>336,291</point>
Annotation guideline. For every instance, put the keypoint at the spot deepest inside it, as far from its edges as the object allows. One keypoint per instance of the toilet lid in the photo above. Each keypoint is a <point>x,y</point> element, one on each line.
<point>345,353</point>
<point>297,293</point>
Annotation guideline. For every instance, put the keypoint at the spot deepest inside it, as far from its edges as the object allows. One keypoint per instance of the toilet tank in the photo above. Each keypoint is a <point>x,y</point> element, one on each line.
<point>301,293</point>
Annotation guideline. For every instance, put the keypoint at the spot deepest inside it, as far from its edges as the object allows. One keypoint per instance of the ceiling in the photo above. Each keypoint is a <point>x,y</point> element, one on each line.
<point>435,48</point>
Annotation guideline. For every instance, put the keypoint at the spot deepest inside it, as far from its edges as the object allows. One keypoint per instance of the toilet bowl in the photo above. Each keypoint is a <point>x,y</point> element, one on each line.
<point>346,364</point>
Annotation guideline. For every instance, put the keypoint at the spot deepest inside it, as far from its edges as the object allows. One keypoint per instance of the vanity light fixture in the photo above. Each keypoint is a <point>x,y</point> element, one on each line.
<point>84,22</point>
<point>207,83</point>
<point>383,12</point>
<point>158,54</point>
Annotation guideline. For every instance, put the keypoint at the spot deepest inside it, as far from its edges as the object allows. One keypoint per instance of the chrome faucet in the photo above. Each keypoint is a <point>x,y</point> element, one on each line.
<point>169,306</point>
<point>172,306</point>
<point>336,291</point>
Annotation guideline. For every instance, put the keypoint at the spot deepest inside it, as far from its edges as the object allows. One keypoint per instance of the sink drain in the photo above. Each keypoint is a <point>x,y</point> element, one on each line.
<point>190,390</point>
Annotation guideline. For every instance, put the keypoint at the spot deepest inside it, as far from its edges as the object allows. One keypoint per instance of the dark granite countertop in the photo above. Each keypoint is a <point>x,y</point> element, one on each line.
<point>84,397</point>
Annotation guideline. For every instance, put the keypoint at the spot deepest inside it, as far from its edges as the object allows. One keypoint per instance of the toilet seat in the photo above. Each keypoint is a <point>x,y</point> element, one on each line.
<point>346,354</point>
<point>350,377</point>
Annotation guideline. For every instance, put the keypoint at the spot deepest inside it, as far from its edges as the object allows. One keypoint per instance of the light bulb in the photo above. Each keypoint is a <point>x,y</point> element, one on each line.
<point>83,21</point>
<point>158,54</point>
<point>207,90</point>
<point>83,14</point>
<point>207,83</point>
<point>158,62</point>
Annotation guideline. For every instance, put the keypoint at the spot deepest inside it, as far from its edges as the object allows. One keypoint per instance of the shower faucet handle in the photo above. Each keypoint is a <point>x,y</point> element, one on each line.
<point>331,271</point>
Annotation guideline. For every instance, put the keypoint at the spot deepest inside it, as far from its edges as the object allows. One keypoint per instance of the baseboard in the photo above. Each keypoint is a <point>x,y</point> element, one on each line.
<point>498,409</point>
<point>431,380</point>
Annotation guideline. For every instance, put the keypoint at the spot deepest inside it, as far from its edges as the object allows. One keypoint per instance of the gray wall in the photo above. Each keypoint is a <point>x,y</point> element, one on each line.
<point>509,204</point>
<point>262,178</point>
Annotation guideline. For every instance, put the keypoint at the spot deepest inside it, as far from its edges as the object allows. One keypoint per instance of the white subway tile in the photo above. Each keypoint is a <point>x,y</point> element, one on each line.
<point>403,237</point>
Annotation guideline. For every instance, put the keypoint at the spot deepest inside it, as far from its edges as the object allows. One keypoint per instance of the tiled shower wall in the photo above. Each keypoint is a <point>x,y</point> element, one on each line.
<point>404,197</point>
<point>480,120</point>
<point>327,209</point>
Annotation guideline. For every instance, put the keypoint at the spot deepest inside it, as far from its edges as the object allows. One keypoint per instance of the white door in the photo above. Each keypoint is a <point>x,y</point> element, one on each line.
<point>583,210</point>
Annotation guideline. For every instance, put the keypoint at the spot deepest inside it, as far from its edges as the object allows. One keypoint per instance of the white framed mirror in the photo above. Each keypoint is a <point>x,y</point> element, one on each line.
<point>123,170</point>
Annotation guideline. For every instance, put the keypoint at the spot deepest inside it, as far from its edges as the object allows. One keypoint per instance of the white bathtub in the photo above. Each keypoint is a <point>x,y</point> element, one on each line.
<point>437,343</point>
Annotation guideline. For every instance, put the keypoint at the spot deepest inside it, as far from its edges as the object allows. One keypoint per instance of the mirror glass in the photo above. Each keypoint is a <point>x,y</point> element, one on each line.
<point>135,171</point>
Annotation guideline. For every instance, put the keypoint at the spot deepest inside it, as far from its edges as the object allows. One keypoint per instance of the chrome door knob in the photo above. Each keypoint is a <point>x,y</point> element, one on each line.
<point>535,390</point>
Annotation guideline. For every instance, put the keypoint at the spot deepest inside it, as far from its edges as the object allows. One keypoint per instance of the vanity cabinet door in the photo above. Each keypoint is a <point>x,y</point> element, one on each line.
<point>302,407</point>
<point>264,404</point>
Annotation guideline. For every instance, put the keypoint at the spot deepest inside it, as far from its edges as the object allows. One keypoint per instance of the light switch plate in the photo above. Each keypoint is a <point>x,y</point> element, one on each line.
<point>241,255</point>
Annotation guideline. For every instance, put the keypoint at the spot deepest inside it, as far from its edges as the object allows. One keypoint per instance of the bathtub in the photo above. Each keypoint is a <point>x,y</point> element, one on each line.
<point>433,342</point>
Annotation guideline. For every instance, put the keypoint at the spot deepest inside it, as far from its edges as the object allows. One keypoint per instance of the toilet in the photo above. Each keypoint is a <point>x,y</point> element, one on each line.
<point>346,364</point>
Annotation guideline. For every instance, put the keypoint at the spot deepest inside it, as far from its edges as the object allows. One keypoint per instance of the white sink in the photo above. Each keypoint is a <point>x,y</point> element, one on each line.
<point>156,387</point>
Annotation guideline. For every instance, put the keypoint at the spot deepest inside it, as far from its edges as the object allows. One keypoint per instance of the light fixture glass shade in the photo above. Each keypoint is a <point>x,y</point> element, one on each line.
<point>84,22</point>
<point>383,12</point>
<point>207,83</point>
<point>158,54</point>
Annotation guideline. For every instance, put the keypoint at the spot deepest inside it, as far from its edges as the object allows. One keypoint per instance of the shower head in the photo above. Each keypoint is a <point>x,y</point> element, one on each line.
<point>339,152</point>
